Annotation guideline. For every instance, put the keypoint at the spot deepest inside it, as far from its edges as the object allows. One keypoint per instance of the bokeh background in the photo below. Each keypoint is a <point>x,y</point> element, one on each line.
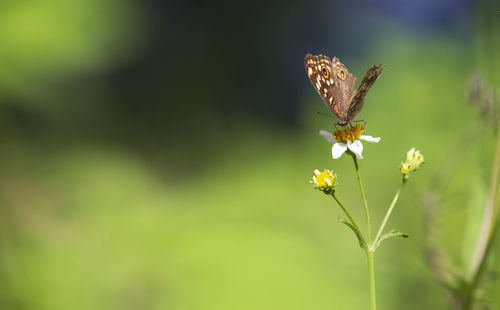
<point>156,154</point>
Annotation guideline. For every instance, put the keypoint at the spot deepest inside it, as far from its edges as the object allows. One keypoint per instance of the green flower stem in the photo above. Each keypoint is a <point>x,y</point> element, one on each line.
<point>371,275</point>
<point>369,251</point>
<point>367,212</point>
<point>489,216</point>
<point>488,232</point>
<point>353,222</point>
<point>388,214</point>
<point>474,283</point>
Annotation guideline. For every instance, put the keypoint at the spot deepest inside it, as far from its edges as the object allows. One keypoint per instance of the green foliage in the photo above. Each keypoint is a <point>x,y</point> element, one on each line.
<point>390,234</point>
<point>362,244</point>
<point>45,41</point>
<point>95,226</point>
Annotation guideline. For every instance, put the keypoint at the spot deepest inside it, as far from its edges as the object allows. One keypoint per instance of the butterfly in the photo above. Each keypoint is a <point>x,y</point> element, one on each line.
<point>336,85</point>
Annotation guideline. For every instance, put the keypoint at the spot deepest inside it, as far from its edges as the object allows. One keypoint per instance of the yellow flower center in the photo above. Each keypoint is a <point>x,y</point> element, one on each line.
<point>350,133</point>
<point>324,180</point>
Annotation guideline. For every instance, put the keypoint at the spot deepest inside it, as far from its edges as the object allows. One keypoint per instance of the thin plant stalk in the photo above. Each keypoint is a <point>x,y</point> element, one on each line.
<point>367,212</point>
<point>353,222</point>
<point>487,234</point>
<point>388,214</point>
<point>369,251</point>
<point>488,217</point>
<point>371,275</point>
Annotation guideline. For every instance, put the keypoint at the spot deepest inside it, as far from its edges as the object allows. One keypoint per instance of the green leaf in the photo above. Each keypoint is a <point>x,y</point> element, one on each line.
<point>356,231</point>
<point>392,233</point>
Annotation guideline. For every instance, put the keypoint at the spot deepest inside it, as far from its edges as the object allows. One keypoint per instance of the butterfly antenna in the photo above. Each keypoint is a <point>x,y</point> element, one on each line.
<point>324,114</point>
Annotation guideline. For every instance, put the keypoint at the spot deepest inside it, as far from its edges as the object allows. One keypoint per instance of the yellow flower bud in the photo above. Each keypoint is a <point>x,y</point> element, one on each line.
<point>412,162</point>
<point>324,181</point>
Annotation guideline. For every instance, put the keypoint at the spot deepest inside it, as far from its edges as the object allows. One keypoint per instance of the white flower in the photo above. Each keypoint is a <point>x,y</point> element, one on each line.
<point>347,139</point>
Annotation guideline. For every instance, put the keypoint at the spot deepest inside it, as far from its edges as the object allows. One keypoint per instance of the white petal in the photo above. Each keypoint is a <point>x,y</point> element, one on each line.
<point>370,139</point>
<point>410,154</point>
<point>356,147</point>
<point>338,149</point>
<point>327,136</point>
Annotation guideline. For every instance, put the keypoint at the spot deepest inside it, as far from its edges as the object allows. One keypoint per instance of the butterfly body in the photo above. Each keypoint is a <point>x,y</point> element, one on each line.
<point>336,86</point>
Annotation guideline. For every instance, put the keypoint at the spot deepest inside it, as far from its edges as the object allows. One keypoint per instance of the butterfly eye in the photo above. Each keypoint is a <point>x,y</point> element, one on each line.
<point>341,74</point>
<point>326,73</point>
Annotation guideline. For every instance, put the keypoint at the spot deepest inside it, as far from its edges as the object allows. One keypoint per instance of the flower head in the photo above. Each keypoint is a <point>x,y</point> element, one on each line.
<point>325,181</point>
<point>348,138</point>
<point>412,162</point>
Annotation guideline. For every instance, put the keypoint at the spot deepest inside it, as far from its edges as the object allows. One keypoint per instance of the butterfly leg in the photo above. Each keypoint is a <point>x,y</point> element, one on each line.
<point>359,121</point>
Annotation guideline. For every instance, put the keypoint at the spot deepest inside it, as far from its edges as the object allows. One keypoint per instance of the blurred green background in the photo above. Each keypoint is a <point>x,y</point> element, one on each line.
<point>156,154</point>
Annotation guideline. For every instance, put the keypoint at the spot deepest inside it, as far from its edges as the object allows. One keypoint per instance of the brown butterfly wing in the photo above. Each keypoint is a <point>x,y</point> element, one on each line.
<point>358,100</point>
<point>345,89</point>
<point>335,91</point>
